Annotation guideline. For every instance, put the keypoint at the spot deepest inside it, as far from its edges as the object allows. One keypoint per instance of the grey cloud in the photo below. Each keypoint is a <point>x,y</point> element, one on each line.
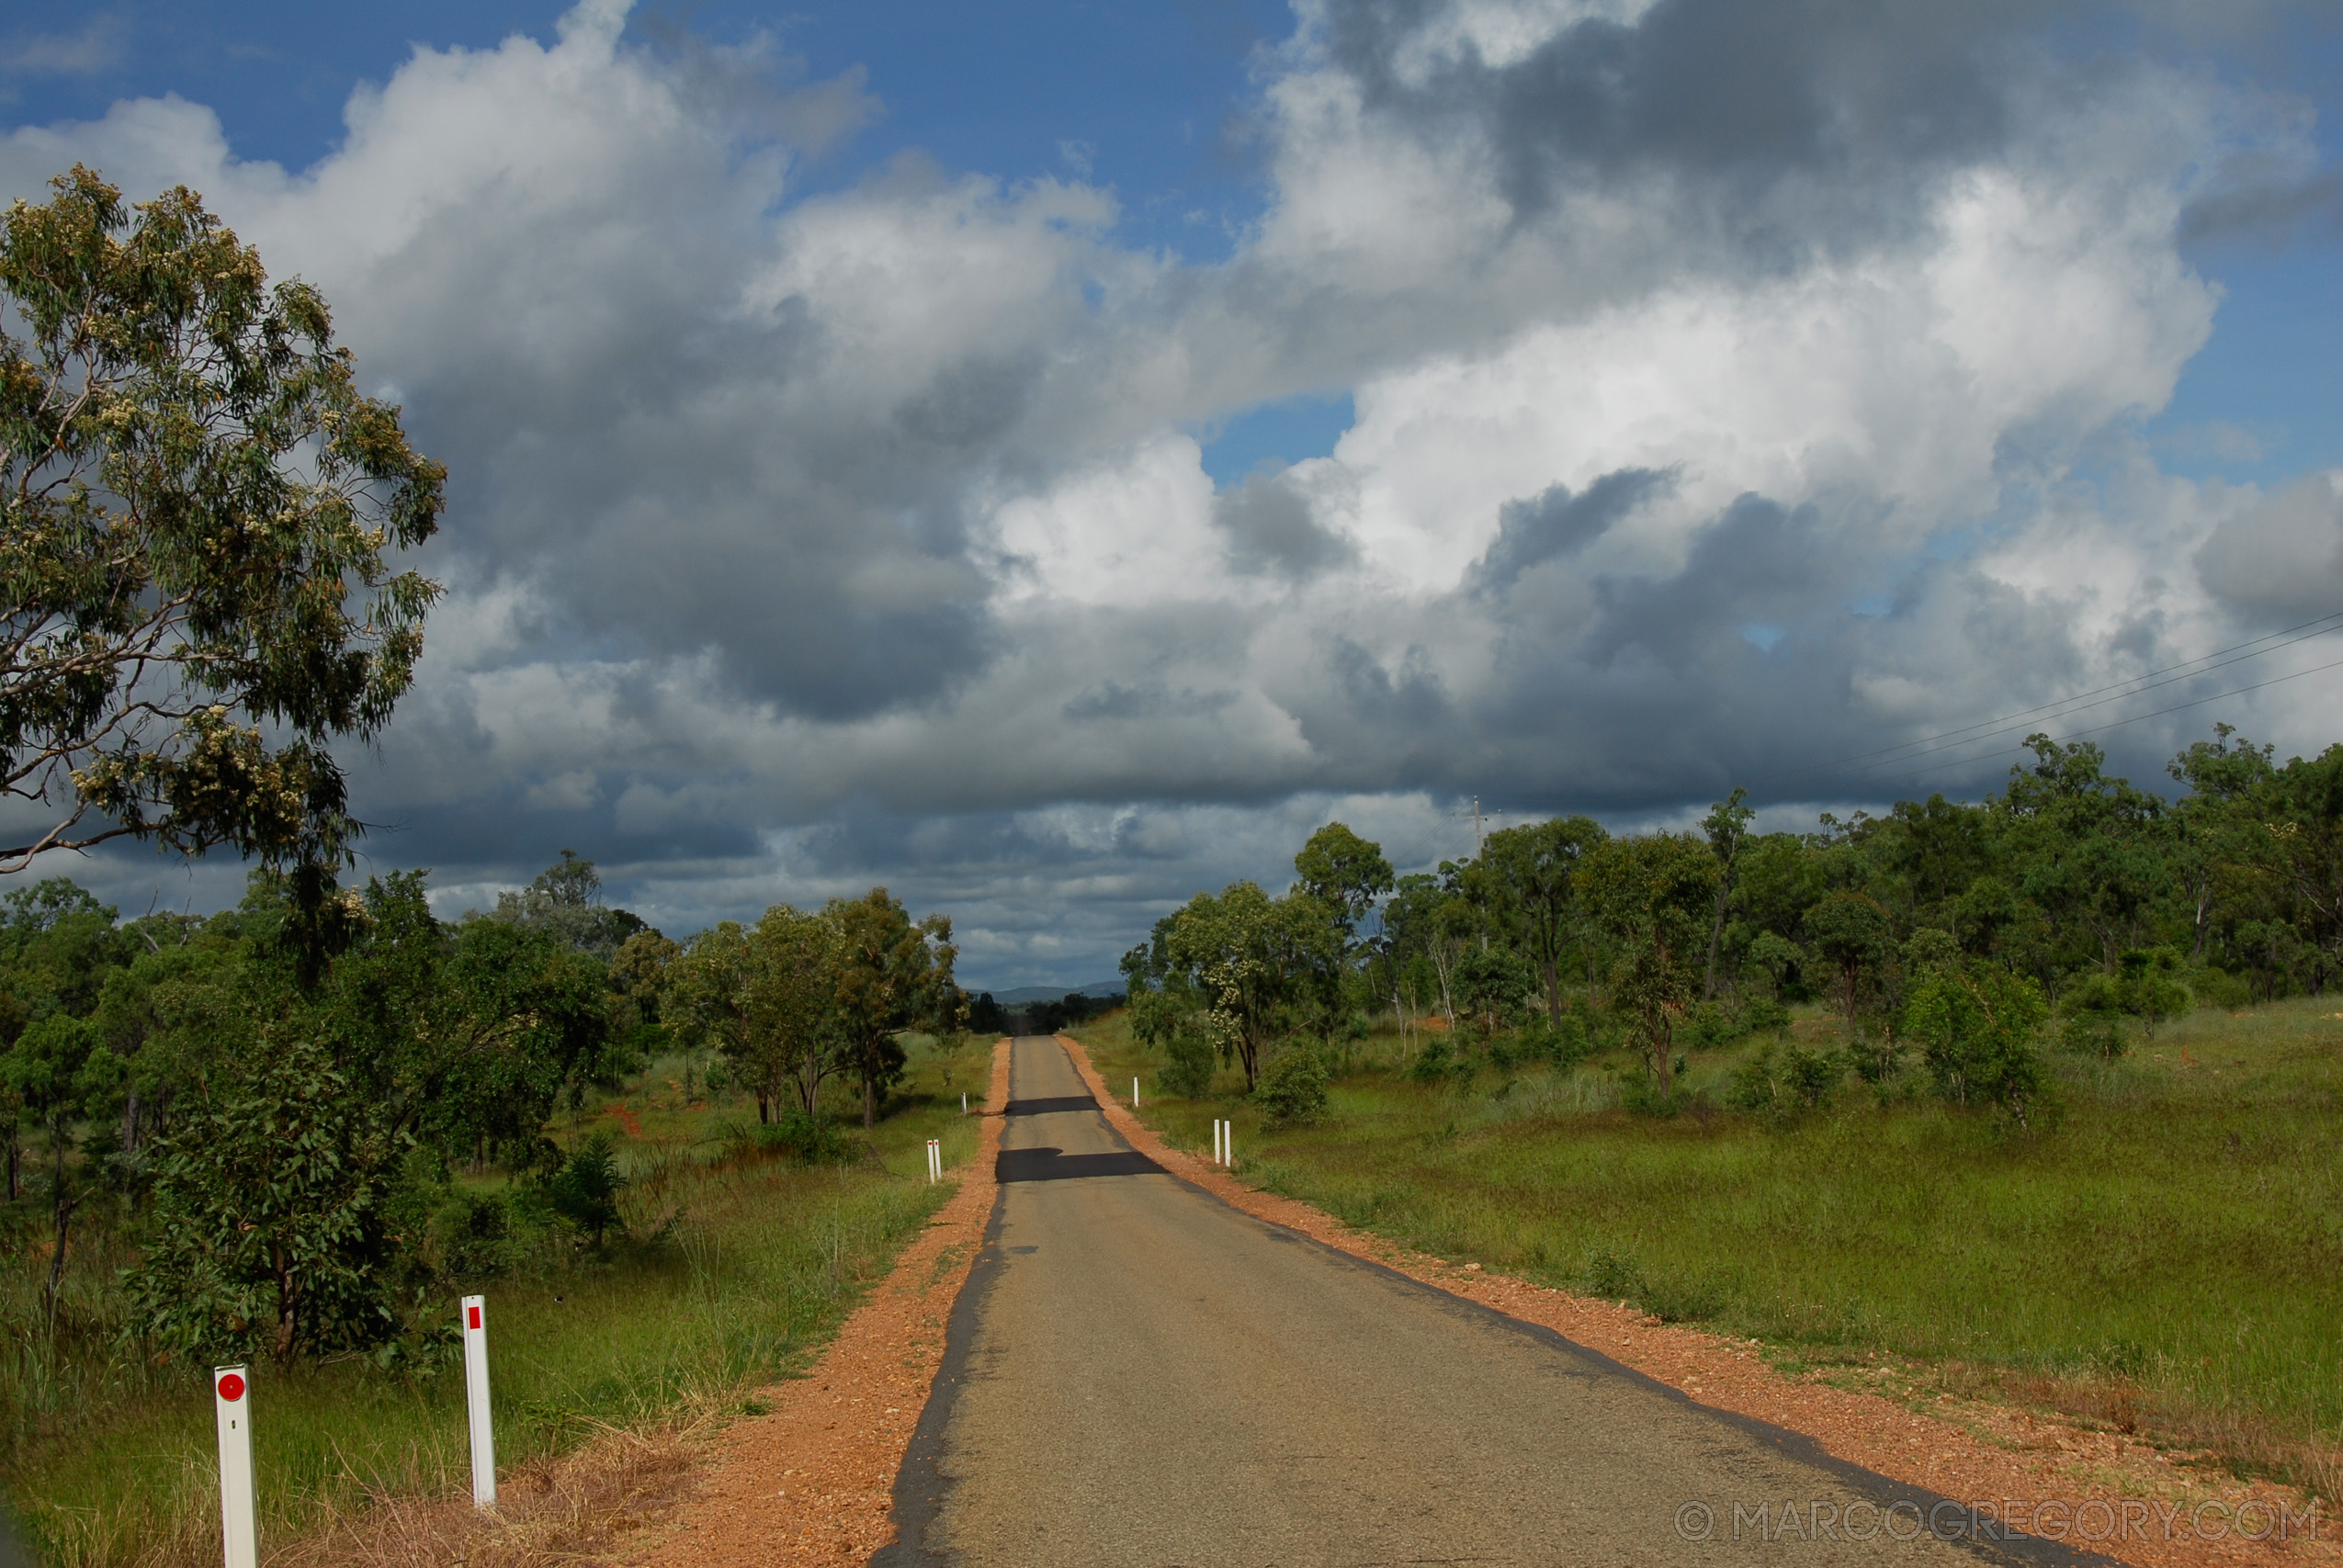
<point>2281,555</point>
<point>1115,700</point>
<point>1793,122</point>
<point>1271,529</point>
<point>1558,524</point>
<point>2264,198</point>
<point>1757,562</point>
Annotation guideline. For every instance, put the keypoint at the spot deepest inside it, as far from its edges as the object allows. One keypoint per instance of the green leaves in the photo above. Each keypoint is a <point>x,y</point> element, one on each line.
<point>1976,1024</point>
<point>1651,897</point>
<point>196,505</point>
<point>268,1228</point>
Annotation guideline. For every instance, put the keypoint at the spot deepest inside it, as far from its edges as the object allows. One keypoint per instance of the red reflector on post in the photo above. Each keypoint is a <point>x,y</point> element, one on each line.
<point>231,1388</point>
<point>475,1319</point>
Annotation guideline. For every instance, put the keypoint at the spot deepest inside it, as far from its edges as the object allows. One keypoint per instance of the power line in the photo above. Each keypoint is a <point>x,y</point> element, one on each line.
<point>2068,710</point>
<point>2117,724</point>
<point>2076,703</point>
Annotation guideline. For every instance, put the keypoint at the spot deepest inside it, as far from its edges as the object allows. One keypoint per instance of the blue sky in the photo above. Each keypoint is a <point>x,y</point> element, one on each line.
<point>1148,431</point>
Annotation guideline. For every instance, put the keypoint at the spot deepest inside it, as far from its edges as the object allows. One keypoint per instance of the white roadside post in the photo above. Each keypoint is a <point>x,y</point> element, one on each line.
<point>476,1401</point>
<point>964,1103</point>
<point>1228,1146</point>
<point>1135,1094</point>
<point>239,1529</point>
<point>935,1160</point>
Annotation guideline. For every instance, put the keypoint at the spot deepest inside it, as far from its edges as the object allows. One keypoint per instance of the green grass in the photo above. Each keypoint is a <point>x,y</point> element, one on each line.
<point>742,1268</point>
<point>2179,1233</point>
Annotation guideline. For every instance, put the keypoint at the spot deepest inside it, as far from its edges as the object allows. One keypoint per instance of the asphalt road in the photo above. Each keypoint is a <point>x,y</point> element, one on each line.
<point>1137,1373</point>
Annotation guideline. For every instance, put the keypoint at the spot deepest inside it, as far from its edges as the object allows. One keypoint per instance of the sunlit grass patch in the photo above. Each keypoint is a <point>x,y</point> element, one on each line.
<point>737,1267</point>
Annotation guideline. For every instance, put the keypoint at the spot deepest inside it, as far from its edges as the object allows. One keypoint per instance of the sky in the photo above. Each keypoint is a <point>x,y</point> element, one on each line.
<point>1047,460</point>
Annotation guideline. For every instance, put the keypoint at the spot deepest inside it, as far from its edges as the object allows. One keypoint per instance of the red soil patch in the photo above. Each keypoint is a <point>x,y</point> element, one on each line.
<point>813,1481</point>
<point>625,1117</point>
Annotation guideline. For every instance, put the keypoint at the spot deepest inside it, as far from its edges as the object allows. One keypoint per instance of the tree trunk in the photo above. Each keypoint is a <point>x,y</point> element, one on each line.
<point>1550,970</point>
<point>287,1299</point>
<point>1715,936</point>
<point>870,1101</point>
<point>763,1110</point>
<point>64,1215</point>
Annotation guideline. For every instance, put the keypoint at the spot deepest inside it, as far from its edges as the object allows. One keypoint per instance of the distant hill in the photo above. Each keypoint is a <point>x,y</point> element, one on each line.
<point>1025,994</point>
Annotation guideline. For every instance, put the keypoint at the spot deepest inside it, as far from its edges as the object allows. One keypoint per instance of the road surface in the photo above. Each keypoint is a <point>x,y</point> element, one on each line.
<point>1138,1374</point>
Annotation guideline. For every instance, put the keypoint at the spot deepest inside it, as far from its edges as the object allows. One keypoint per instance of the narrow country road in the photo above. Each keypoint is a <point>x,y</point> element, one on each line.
<point>1138,1374</point>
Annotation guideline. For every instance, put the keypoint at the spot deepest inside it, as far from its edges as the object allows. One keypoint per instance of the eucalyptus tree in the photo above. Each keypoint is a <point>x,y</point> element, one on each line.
<point>893,974</point>
<point>1651,897</point>
<point>1539,864</point>
<point>197,514</point>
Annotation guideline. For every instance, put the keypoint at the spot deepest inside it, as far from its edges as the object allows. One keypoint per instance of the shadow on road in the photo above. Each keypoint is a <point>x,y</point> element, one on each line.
<point>1056,1165</point>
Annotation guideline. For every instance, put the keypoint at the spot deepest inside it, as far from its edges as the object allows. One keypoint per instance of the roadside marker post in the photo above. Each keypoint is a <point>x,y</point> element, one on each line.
<point>964,1103</point>
<point>483,1431</point>
<point>1229,1146</point>
<point>935,1160</point>
<point>1135,1094</point>
<point>239,1527</point>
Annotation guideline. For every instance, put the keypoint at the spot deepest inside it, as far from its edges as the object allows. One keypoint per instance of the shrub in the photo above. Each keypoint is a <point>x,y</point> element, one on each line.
<point>585,1190</point>
<point>805,1139</point>
<point>1436,1061</point>
<point>1293,1086</point>
<point>1780,1081</point>
<point>1494,985</point>
<point>1765,1015</point>
<point>2092,1034</point>
<point>474,1235</point>
<point>1617,1276</point>
<point>270,1215</point>
<point>1188,1068</point>
<point>1875,1055</point>
<point>1707,1027</point>
<point>1977,1029</point>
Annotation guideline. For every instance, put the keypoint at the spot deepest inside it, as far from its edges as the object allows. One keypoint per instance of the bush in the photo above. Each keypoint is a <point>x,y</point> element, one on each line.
<point>1494,985</point>
<point>805,1139</point>
<point>2219,988</point>
<point>1877,1054</point>
<point>1708,1027</point>
<point>269,1219</point>
<point>1188,1064</point>
<point>474,1235</point>
<point>1784,1080</point>
<point>1293,1086</point>
<point>585,1190</point>
<point>2092,1034</point>
<point>1977,1029</point>
<point>1436,1061</point>
<point>1763,1015</point>
<point>1616,1276</point>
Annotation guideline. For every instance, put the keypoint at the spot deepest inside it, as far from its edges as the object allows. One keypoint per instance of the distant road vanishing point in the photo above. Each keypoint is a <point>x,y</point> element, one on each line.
<point>1138,1374</point>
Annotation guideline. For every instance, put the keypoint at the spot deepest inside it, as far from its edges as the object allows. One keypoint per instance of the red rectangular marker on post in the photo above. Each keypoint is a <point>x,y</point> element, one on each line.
<point>483,1433</point>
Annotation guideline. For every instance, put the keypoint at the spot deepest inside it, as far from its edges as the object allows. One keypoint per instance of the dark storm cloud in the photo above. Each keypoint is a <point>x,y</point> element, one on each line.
<point>1756,563</point>
<point>1558,524</point>
<point>1795,122</point>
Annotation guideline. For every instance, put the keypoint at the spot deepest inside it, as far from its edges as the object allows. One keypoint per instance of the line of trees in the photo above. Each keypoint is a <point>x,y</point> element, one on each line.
<point>278,1127</point>
<point>1944,936</point>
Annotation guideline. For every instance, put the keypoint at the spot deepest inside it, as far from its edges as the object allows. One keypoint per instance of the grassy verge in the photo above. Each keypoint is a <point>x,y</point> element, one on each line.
<point>2169,1256</point>
<point>737,1269</point>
